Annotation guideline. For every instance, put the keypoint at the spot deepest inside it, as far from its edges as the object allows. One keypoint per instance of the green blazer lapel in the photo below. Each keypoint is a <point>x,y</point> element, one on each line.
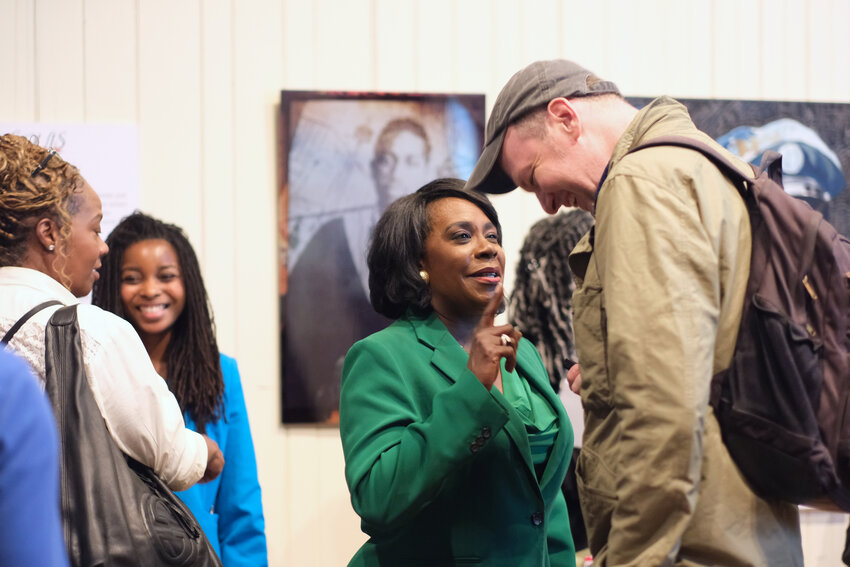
<point>450,358</point>
<point>531,370</point>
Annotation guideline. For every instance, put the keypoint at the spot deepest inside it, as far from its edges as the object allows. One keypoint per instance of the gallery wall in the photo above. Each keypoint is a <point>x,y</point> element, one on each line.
<point>202,78</point>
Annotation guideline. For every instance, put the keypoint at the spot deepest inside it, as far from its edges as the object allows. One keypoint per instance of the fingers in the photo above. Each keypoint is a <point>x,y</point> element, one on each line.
<point>489,346</point>
<point>510,341</point>
<point>488,318</point>
<point>574,378</point>
<point>215,460</point>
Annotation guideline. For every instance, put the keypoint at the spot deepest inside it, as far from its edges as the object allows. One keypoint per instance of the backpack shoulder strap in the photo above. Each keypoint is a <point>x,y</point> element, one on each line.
<point>710,152</point>
<point>8,336</point>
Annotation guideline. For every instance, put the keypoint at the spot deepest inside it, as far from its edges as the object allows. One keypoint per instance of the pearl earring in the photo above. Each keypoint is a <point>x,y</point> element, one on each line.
<point>425,277</point>
<point>51,248</point>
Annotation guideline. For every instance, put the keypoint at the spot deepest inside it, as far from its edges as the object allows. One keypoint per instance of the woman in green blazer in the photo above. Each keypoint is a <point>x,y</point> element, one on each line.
<point>455,443</point>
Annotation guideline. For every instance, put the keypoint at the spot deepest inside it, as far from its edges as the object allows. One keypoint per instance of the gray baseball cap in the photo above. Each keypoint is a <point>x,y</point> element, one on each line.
<point>529,89</point>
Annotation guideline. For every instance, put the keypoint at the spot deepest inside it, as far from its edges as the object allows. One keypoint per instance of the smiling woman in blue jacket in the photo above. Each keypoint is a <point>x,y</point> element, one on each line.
<point>151,277</point>
<point>455,443</point>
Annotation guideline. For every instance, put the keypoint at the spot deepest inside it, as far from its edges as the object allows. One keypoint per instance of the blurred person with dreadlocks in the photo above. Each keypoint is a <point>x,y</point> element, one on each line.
<point>541,307</point>
<point>151,278</point>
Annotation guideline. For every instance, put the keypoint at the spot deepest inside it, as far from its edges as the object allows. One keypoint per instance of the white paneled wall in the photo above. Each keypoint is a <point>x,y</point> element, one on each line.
<point>201,78</point>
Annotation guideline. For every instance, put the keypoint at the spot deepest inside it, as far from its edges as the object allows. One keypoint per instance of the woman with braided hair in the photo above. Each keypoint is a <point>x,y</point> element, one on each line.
<point>151,278</point>
<point>50,250</point>
<point>541,301</point>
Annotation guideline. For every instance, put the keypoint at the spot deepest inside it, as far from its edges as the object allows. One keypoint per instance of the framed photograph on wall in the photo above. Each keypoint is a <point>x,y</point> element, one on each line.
<point>812,137</point>
<point>344,156</point>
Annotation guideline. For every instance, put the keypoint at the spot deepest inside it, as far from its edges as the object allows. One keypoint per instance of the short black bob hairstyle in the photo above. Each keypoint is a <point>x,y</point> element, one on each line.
<point>398,243</point>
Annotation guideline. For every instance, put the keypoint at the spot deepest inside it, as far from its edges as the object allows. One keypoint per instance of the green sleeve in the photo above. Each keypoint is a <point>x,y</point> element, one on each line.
<point>406,428</point>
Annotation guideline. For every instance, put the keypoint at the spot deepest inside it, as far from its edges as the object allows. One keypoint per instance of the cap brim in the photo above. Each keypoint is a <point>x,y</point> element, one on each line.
<point>488,176</point>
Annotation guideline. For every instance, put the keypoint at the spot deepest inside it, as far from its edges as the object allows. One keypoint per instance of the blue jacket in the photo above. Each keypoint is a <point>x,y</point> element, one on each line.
<point>230,508</point>
<point>439,469</point>
<point>31,531</point>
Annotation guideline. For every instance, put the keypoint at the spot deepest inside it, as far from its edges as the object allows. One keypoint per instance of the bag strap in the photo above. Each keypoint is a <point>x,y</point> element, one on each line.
<point>11,333</point>
<point>708,151</point>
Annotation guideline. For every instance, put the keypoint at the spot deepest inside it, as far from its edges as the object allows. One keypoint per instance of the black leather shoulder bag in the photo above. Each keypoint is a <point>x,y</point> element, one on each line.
<point>115,511</point>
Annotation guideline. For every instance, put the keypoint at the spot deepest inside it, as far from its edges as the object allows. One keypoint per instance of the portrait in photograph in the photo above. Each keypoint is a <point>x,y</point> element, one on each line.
<point>813,138</point>
<point>344,158</point>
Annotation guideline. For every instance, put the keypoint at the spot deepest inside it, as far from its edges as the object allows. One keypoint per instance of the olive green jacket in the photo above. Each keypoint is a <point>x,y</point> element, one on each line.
<point>661,281</point>
<point>439,468</point>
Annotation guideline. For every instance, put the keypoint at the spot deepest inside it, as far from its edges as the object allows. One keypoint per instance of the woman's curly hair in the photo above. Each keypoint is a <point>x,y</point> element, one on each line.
<point>34,183</point>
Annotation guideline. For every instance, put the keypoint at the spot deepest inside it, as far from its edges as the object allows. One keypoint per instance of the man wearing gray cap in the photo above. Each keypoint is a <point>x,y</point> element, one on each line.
<point>660,286</point>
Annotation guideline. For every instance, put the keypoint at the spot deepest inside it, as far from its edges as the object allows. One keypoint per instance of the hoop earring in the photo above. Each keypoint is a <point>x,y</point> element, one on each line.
<point>425,277</point>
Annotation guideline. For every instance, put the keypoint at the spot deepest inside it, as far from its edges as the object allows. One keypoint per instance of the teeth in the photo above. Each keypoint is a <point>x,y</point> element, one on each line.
<point>152,308</point>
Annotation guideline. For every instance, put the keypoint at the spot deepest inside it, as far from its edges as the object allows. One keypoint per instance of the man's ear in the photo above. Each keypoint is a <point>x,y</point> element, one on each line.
<point>47,233</point>
<point>561,112</point>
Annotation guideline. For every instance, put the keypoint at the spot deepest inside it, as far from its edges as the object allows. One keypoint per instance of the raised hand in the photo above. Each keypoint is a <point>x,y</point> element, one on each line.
<point>491,343</point>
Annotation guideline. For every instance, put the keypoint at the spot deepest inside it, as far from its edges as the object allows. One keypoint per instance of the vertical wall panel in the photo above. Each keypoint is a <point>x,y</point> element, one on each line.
<point>436,33</point>
<point>736,49</point>
<point>506,56</point>
<point>110,51</point>
<point>472,39</point>
<point>396,43</point>
<point>784,49</point>
<point>218,186</point>
<point>170,113</point>
<point>300,51</point>
<point>345,39</point>
<point>829,44</point>
<point>257,79</point>
<point>539,30</point>
<point>688,65</point>
<point>59,65</point>
<point>17,66</point>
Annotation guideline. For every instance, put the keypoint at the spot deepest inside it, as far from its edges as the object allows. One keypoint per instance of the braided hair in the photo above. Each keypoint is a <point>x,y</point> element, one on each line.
<point>192,356</point>
<point>540,304</point>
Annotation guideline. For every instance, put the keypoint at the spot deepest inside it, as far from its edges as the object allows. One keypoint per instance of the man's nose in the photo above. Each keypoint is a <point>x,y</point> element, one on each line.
<point>547,202</point>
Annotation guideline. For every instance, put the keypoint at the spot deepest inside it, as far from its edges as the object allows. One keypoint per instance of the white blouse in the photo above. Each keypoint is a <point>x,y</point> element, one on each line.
<point>140,412</point>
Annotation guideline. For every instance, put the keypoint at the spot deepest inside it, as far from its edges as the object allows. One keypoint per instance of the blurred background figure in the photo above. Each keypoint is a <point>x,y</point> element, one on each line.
<point>541,307</point>
<point>402,160</point>
<point>31,531</point>
<point>151,278</point>
<point>326,305</point>
<point>810,169</point>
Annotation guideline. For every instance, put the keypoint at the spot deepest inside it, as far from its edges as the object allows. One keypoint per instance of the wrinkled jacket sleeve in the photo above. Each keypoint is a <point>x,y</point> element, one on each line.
<point>660,280</point>
<point>241,524</point>
<point>141,414</point>
<point>396,459</point>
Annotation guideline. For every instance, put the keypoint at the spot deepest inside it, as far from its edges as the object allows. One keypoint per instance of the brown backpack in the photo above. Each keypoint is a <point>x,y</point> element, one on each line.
<point>783,402</point>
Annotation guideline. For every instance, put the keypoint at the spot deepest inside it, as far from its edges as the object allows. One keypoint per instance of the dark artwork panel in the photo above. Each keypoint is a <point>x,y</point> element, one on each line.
<point>813,138</point>
<point>343,158</point>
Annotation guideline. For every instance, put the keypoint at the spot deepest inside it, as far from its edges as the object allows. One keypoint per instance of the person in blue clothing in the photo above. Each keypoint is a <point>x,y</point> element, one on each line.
<point>29,470</point>
<point>151,278</point>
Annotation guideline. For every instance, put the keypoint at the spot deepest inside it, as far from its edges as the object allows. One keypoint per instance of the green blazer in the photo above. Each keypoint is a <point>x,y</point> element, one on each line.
<point>440,469</point>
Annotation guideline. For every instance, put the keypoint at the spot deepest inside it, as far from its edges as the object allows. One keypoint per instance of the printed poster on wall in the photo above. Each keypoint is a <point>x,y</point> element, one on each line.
<point>107,156</point>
